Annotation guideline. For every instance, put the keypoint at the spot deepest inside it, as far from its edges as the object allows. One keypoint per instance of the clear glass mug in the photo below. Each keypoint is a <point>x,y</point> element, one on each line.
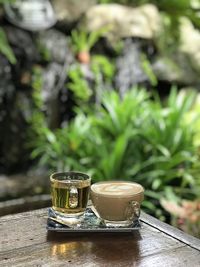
<point>70,194</point>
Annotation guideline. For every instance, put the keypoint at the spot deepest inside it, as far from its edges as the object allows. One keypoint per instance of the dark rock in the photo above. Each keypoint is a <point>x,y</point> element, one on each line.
<point>66,105</point>
<point>7,87</point>
<point>14,186</point>
<point>87,73</point>
<point>54,77</point>
<point>56,45</point>
<point>25,52</point>
<point>1,13</point>
<point>15,102</point>
<point>175,70</point>
<point>7,92</point>
<point>105,47</point>
<point>14,112</point>
<point>129,68</point>
<point>14,152</point>
<point>51,77</point>
<point>22,44</point>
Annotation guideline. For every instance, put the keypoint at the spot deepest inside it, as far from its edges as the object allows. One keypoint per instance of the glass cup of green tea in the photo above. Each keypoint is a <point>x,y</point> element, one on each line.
<point>70,194</point>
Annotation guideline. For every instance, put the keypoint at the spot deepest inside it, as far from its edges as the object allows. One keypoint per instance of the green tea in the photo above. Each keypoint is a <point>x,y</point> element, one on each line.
<point>70,197</point>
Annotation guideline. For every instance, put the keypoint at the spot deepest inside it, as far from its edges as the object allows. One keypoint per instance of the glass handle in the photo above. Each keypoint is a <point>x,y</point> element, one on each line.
<point>133,210</point>
<point>73,197</point>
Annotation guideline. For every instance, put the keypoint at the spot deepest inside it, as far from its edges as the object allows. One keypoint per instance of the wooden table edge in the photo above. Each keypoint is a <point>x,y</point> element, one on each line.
<point>185,238</point>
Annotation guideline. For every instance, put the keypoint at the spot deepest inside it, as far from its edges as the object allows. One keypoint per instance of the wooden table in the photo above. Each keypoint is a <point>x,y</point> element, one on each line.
<point>24,241</point>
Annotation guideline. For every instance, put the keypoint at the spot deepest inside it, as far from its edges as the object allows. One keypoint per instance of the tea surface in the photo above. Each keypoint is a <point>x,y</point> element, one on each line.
<point>67,198</point>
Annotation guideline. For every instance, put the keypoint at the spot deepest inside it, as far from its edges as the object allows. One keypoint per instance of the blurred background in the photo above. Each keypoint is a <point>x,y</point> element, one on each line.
<point>110,88</point>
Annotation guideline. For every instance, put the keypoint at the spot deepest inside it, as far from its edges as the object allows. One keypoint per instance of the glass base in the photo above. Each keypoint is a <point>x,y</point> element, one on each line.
<point>69,219</point>
<point>118,223</point>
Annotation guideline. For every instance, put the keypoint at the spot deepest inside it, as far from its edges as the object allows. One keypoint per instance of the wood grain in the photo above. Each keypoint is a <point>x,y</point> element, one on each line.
<point>171,231</point>
<point>24,241</point>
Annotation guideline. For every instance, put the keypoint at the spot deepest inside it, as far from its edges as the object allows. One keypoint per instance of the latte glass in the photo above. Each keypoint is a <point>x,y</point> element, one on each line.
<point>117,202</point>
<point>70,193</point>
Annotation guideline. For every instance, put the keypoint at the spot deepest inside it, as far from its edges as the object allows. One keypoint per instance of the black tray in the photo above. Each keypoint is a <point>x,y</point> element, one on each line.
<point>91,223</point>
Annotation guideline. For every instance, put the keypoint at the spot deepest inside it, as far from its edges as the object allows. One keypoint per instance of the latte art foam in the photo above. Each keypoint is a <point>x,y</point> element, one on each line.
<point>116,188</point>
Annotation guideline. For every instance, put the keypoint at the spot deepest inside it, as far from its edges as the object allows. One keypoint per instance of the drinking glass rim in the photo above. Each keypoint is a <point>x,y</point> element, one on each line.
<point>54,177</point>
<point>117,196</point>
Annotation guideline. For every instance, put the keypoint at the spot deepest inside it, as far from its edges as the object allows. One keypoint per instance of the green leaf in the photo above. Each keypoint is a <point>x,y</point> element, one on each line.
<point>152,194</point>
<point>149,205</point>
<point>156,184</point>
<point>5,48</point>
<point>170,194</point>
<point>50,136</point>
<point>148,70</point>
<point>163,150</point>
<point>118,154</point>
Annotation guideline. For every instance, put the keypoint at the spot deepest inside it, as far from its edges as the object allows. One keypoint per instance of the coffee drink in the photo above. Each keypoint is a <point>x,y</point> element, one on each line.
<point>117,202</point>
<point>116,188</point>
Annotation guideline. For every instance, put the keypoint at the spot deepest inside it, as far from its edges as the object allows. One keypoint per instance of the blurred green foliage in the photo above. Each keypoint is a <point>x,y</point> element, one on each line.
<point>5,48</point>
<point>102,71</point>
<point>146,65</point>
<point>44,52</point>
<point>37,83</point>
<point>102,65</point>
<point>6,1</point>
<point>78,85</point>
<point>134,138</point>
<point>83,41</point>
